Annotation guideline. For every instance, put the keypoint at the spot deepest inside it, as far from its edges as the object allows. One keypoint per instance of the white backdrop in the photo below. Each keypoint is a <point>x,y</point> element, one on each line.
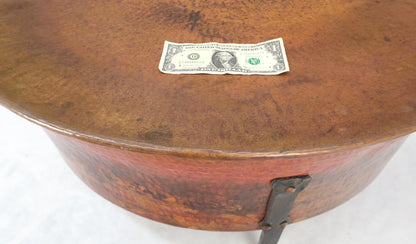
<point>42,201</point>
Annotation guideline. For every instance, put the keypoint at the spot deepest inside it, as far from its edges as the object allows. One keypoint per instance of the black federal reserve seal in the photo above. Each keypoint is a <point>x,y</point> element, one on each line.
<point>193,56</point>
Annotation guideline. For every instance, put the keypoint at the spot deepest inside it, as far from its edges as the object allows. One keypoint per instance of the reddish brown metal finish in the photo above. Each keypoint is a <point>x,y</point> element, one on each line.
<point>199,150</point>
<point>91,67</point>
<point>219,194</point>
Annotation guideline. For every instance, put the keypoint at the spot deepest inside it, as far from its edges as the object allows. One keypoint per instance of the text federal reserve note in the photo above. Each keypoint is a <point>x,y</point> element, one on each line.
<point>266,58</point>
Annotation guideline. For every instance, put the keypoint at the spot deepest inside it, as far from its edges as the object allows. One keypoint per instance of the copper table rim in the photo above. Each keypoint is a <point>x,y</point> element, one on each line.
<point>209,153</point>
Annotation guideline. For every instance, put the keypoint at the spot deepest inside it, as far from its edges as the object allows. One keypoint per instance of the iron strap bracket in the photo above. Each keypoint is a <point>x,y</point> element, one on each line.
<point>282,197</point>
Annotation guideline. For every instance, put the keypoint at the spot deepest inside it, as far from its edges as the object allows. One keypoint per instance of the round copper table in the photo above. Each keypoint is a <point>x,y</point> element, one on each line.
<point>200,151</point>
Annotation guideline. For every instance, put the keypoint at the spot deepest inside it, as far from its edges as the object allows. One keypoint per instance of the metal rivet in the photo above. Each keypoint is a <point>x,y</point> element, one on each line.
<point>290,189</point>
<point>266,227</point>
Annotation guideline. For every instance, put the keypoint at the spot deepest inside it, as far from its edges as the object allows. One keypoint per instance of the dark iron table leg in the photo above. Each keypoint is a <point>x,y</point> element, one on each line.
<point>282,197</point>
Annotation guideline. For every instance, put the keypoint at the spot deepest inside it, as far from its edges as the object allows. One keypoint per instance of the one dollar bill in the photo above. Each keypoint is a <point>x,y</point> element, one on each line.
<point>266,58</point>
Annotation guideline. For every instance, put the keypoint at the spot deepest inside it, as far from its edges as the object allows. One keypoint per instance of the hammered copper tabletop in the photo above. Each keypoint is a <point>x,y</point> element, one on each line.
<point>90,69</point>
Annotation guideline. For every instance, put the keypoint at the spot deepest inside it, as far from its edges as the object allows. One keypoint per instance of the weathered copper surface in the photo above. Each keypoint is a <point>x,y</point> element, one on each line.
<point>200,150</point>
<point>91,68</point>
<point>215,194</point>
